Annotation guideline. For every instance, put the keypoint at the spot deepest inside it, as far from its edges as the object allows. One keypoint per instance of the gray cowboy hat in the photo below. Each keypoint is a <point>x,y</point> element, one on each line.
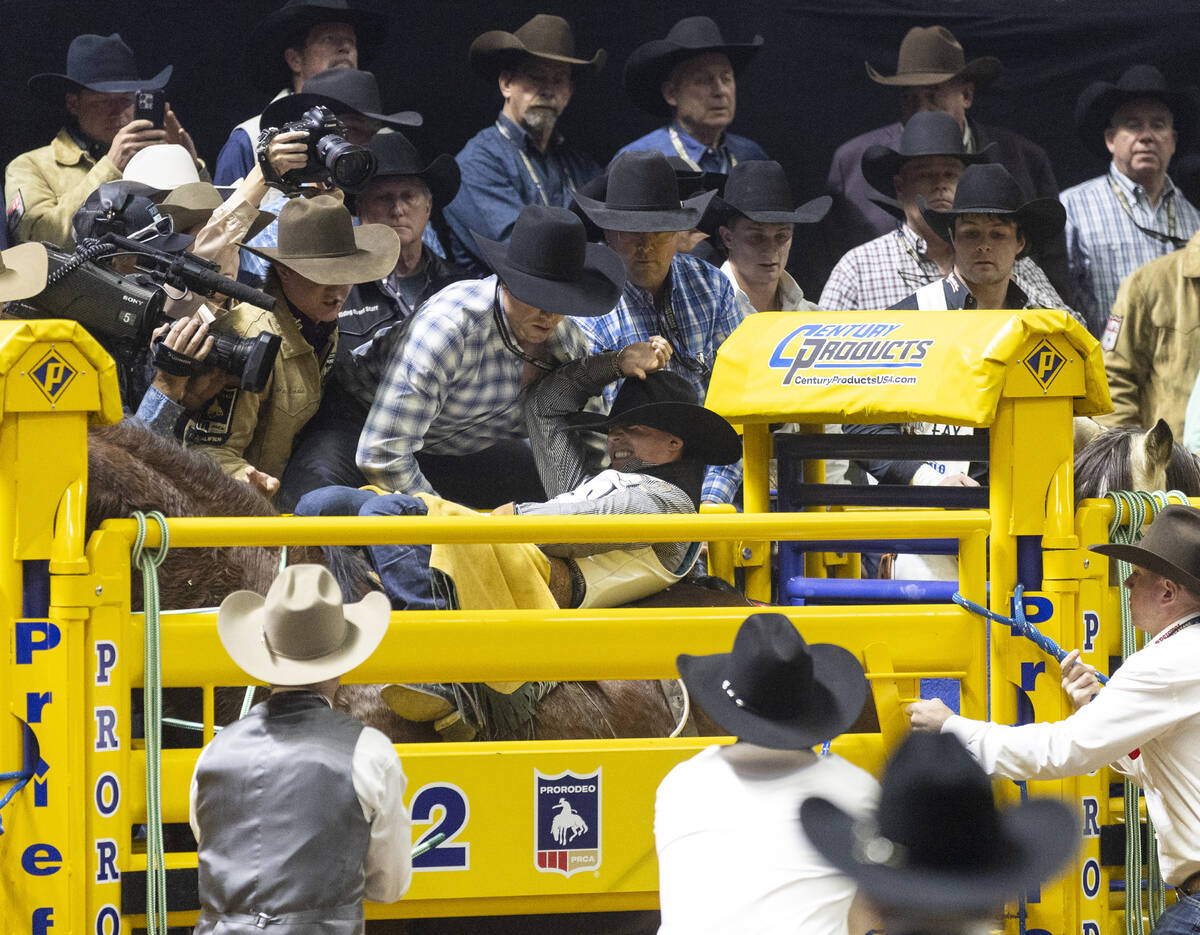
<point>928,133</point>
<point>931,55</point>
<point>989,189</point>
<point>774,689</point>
<point>548,263</point>
<point>342,90</point>
<point>641,194</point>
<point>543,36</point>
<point>667,402</point>
<point>651,63</point>
<point>98,63</point>
<point>301,632</point>
<point>318,240</point>
<point>1099,101</point>
<point>1170,548</point>
<point>396,155</point>
<point>288,25</point>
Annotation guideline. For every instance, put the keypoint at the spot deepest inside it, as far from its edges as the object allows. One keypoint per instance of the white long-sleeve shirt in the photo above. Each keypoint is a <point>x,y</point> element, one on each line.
<point>1151,705</point>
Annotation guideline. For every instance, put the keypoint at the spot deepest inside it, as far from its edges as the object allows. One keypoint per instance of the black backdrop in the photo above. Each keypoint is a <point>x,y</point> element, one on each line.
<point>804,94</point>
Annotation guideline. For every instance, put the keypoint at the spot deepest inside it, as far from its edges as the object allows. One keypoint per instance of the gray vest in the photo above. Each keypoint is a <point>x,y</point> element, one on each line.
<point>283,839</point>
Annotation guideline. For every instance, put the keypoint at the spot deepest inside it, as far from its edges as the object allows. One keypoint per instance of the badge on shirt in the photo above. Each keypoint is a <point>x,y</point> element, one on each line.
<point>213,426</point>
<point>16,211</point>
<point>1111,330</point>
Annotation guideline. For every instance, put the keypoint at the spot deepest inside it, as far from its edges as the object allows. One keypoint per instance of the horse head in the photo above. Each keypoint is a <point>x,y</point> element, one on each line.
<point>1126,458</point>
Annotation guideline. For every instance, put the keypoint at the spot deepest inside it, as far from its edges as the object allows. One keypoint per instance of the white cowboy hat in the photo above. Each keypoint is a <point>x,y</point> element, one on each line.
<point>163,166</point>
<point>22,271</point>
<point>301,632</point>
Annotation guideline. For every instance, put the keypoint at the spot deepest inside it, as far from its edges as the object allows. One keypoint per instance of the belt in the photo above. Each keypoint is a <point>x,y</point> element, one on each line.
<point>1190,886</point>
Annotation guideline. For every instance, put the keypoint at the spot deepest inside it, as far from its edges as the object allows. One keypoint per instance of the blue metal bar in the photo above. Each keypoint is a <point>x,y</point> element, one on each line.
<point>868,590</point>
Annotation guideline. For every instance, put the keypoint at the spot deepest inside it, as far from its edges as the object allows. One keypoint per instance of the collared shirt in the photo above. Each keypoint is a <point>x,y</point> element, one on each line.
<point>449,386</point>
<point>791,296</point>
<point>1104,244</point>
<point>885,270</point>
<point>705,311</point>
<point>1151,704</point>
<point>731,149</point>
<point>503,172</point>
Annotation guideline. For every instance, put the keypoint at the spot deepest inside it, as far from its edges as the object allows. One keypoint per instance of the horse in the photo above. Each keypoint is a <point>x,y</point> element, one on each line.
<point>1126,458</point>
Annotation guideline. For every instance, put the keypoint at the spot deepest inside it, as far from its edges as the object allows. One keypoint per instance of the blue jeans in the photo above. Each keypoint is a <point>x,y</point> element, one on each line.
<point>403,569</point>
<point>1181,919</point>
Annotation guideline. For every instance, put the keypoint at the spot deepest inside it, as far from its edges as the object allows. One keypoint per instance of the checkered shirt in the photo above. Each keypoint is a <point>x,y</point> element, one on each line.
<point>706,312</point>
<point>450,386</point>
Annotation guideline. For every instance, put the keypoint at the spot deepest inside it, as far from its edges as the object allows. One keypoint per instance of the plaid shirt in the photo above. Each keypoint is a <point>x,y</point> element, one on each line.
<point>706,311</point>
<point>1104,245</point>
<point>885,270</point>
<point>450,386</point>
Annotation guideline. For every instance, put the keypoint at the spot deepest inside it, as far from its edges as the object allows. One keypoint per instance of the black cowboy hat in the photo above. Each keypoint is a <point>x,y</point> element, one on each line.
<point>288,26</point>
<point>989,189</point>
<point>937,847</point>
<point>758,189</point>
<point>98,63</point>
<point>1099,101</point>
<point>395,155</point>
<point>666,401</point>
<point>342,90</point>
<point>548,263</point>
<point>123,207</point>
<point>1170,548</point>
<point>928,133</point>
<point>931,55</point>
<point>544,36</point>
<point>641,194</point>
<point>690,181</point>
<point>652,63</point>
<point>774,689</point>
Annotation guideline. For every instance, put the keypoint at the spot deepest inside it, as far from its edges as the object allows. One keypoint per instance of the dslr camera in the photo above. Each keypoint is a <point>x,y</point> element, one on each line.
<point>331,158</point>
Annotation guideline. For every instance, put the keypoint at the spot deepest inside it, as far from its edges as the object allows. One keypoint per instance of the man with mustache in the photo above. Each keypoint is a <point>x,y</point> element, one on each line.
<point>521,159</point>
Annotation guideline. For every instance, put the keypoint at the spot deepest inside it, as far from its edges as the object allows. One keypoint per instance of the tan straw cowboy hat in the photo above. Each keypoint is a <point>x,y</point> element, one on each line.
<point>22,271</point>
<point>301,632</point>
<point>318,240</point>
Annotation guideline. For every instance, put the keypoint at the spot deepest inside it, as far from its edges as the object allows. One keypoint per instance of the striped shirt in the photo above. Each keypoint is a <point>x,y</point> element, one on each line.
<point>450,386</point>
<point>1103,243</point>
<point>886,270</point>
<point>701,303</point>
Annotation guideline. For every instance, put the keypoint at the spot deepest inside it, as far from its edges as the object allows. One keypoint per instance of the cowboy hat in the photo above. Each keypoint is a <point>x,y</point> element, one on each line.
<point>301,632</point>
<point>163,167</point>
<point>652,63</point>
<point>342,90</point>
<point>318,240</point>
<point>544,36</point>
<point>928,133</point>
<point>758,189</point>
<point>1100,100</point>
<point>124,208</point>
<point>548,263</point>
<point>194,203</point>
<point>774,689</point>
<point>22,271</point>
<point>989,189</point>
<point>395,155</point>
<point>931,55</point>
<point>690,181</point>
<point>289,25</point>
<point>937,847</point>
<point>98,63</point>
<point>641,194</point>
<point>1170,548</point>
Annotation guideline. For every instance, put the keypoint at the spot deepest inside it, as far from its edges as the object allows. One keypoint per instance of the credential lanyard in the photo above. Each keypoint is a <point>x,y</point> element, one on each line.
<point>678,144</point>
<point>1169,237</point>
<point>1175,629</point>
<point>533,176</point>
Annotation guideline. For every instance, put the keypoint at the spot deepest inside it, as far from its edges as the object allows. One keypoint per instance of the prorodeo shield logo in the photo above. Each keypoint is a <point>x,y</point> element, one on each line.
<point>567,837</point>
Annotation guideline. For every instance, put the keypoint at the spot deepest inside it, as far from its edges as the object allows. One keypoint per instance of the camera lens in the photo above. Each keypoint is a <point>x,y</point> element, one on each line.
<point>350,165</point>
<point>248,359</point>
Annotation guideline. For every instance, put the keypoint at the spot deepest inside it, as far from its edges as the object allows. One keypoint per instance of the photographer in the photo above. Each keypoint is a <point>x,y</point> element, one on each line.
<point>45,187</point>
<point>319,257</point>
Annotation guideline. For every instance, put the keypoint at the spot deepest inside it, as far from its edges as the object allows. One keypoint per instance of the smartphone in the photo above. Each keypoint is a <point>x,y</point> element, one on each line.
<point>150,105</point>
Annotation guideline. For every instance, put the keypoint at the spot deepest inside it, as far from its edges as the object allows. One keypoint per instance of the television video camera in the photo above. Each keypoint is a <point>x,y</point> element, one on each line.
<point>331,157</point>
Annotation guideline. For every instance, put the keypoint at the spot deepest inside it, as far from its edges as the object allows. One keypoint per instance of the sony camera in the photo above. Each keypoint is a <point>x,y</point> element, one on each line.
<point>331,158</point>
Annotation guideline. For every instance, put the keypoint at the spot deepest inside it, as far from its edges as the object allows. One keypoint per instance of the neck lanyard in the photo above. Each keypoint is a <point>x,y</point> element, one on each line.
<point>533,176</point>
<point>1175,629</point>
<point>1168,237</point>
<point>674,335</point>
<point>678,144</point>
<point>507,338</point>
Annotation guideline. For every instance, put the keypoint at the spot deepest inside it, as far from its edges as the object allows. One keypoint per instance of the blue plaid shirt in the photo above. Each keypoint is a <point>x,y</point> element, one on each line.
<point>449,386</point>
<point>1103,244</point>
<point>706,311</point>
<point>729,152</point>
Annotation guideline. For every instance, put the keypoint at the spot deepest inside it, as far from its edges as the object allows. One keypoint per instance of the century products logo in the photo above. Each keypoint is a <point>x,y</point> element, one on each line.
<point>860,346</point>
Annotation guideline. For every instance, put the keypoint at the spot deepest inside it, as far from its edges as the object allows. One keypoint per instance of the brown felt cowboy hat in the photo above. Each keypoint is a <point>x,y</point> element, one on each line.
<point>22,271</point>
<point>194,203</point>
<point>544,36</point>
<point>301,632</point>
<point>318,240</point>
<point>1100,99</point>
<point>1170,548</point>
<point>931,55</point>
<point>98,63</point>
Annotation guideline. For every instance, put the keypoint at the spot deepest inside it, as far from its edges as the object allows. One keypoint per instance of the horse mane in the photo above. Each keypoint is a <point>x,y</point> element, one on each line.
<point>1107,462</point>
